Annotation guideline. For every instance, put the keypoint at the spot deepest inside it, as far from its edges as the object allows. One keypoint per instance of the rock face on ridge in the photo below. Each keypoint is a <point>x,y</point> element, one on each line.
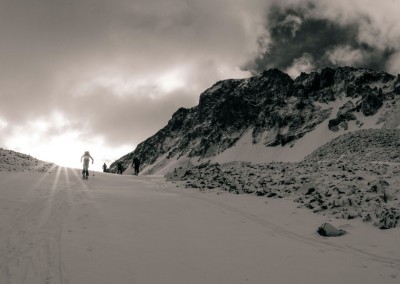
<point>276,109</point>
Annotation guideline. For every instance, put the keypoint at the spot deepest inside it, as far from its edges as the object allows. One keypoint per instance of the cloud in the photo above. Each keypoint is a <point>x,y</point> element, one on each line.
<point>393,65</point>
<point>332,33</point>
<point>119,69</point>
<point>302,64</point>
<point>291,23</point>
<point>345,55</point>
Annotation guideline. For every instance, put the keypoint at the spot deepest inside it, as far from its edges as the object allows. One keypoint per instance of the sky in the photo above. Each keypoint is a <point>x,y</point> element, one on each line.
<point>104,75</point>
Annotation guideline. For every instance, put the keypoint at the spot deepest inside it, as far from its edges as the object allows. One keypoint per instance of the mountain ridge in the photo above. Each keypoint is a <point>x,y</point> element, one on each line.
<point>277,110</point>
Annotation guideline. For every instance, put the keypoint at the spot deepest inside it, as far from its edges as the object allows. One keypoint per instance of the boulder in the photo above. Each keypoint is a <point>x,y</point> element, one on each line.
<point>328,230</point>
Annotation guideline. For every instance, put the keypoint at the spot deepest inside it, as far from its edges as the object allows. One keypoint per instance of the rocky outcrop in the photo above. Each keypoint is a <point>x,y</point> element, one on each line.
<point>371,103</point>
<point>344,115</point>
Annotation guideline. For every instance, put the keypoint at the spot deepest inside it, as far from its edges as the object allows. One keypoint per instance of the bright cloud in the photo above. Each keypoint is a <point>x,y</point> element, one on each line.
<point>54,139</point>
<point>3,123</point>
<point>302,64</point>
<point>345,55</point>
<point>66,149</point>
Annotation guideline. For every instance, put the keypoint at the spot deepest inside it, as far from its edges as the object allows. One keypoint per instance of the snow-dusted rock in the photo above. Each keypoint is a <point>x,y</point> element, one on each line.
<point>328,230</point>
<point>16,162</point>
<point>368,145</point>
<point>344,189</point>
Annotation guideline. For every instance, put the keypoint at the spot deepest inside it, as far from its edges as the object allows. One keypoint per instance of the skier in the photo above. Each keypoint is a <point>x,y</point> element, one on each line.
<point>104,167</point>
<point>86,156</point>
<point>119,168</point>
<point>136,164</point>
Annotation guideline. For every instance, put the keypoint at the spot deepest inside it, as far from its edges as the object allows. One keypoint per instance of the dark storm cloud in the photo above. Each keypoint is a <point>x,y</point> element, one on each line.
<point>305,34</point>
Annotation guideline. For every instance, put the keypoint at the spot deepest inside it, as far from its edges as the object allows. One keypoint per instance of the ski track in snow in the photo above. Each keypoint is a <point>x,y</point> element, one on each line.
<point>27,246</point>
<point>322,244</point>
<point>273,229</point>
<point>31,239</point>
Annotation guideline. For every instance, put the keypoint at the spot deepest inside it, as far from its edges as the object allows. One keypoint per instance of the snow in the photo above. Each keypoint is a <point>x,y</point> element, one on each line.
<point>57,228</point>
<point>245,150</point>
<point>392,116</point>
<point>164,165</point>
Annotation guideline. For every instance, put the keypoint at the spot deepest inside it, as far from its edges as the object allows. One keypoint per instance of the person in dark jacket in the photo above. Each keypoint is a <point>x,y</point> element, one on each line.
<point>104,167</point>
<point>119,168</point>
<point>136,164</point>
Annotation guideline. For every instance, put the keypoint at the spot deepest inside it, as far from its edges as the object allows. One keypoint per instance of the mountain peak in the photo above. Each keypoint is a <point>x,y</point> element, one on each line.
<point>274,111</point>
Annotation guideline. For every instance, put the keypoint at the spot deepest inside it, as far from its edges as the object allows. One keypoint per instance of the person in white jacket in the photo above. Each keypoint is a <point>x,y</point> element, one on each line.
<point>86,156</point>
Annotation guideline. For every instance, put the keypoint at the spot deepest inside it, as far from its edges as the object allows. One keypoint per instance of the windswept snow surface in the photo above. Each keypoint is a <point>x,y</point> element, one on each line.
<point>57,228</point>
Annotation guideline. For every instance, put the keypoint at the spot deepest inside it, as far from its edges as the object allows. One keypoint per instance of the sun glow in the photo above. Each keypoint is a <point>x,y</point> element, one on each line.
<point>54,141</point>
<point>3,123</point>
<point>172,80</point>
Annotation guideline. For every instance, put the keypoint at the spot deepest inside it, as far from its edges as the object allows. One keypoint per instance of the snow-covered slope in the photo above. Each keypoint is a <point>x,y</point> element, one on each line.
<point>57,228</point>
<point>270,117</point>
<point>16,162</point>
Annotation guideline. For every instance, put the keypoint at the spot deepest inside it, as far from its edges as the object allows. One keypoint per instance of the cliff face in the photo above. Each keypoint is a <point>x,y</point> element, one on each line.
<point>276,109</point>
